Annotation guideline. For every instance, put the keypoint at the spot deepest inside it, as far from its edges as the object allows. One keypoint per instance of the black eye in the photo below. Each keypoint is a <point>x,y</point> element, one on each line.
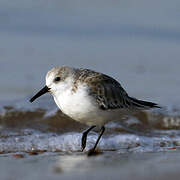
<point>57,79</point>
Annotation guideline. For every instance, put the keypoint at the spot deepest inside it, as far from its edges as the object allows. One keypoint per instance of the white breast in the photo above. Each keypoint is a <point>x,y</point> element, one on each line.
<point>78,105</point>
<point>81,107</point>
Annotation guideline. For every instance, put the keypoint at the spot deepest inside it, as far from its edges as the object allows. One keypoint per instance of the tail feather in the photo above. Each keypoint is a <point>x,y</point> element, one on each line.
<point>143,104</point>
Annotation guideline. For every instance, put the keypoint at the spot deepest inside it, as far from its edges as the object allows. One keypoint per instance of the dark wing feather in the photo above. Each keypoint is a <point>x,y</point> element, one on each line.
<point>108,92</point>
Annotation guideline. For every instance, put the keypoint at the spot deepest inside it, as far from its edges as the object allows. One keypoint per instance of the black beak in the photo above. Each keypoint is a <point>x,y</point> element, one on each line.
<point>40,93</point>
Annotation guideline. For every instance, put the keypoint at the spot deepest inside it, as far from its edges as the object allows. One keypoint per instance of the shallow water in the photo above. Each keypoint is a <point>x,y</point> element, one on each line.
<point>42,127</point>
<point>138,44</point>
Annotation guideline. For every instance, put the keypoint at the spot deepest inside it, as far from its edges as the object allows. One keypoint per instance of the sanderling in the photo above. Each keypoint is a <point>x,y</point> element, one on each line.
<point>89,97</point>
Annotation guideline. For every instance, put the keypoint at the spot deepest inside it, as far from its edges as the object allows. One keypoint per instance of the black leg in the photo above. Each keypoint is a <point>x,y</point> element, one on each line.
<point>84,137</point>
<point>101,133</point>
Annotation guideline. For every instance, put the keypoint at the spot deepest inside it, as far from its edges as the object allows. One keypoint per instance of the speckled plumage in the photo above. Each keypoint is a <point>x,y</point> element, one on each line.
<point>107,92</point>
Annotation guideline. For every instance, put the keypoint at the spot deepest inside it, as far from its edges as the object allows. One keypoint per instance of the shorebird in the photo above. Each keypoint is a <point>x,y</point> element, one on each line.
<point>89,97</point>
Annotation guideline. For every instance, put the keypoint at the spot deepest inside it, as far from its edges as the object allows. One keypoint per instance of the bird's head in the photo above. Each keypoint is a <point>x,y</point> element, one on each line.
<point>58,80</point>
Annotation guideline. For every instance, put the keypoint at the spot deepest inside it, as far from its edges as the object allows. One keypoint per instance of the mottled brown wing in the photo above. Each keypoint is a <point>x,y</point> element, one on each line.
<point>108,93</point>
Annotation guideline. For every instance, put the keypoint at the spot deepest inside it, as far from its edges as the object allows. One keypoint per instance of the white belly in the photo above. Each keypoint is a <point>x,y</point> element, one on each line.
<point>83,108</point>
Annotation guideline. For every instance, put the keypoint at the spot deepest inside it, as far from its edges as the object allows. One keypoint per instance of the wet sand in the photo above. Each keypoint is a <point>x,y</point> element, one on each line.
<point>109,165</point>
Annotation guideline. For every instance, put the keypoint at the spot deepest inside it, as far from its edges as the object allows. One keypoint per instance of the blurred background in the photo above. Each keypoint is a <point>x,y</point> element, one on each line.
<point>135,41</point>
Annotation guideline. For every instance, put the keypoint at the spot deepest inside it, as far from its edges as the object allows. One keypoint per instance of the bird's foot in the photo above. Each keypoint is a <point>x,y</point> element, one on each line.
<point>94,152</point>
